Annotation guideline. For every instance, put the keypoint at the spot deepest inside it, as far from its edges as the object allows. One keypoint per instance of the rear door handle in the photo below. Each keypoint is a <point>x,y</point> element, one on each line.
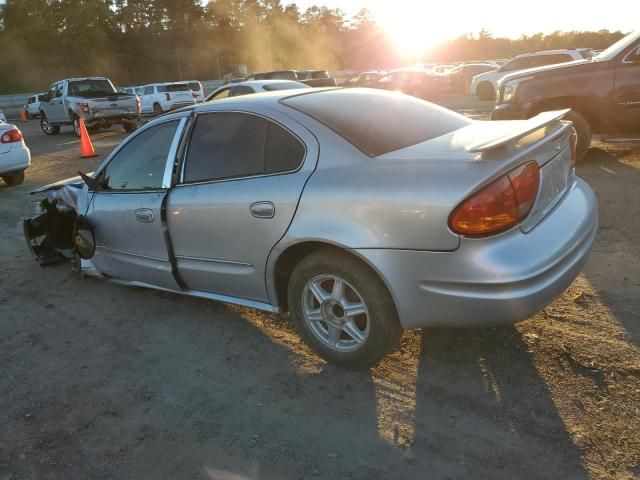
<point>262,210</point>
<point>144,215</point>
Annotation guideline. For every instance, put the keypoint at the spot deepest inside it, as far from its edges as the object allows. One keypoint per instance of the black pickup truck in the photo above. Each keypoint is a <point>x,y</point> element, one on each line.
<point>603,93</point>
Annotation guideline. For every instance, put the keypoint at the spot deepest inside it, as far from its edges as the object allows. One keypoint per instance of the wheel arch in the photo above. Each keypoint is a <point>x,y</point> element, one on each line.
<point>583,105</point>
<point>293,254</point>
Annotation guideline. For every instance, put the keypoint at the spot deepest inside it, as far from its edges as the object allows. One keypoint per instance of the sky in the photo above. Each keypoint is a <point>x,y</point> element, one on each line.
<point>428,22</point>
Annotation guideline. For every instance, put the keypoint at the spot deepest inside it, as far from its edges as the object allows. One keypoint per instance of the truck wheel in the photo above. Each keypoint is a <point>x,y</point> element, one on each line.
<point>46,127</point>
<point>76,125</point>
<point>157,109</point>
<point>342,309</point>
<point>130,126</point>
<point>13,179</point>
<point>583,130</point>
<point>486,91</point>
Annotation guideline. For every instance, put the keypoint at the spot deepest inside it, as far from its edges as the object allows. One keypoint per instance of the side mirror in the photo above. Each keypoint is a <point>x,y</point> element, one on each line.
<point>93,183</point>
<point>84,239</point>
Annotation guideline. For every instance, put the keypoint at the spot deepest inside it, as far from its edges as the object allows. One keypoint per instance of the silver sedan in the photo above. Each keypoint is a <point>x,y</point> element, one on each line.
<point>361,212</point>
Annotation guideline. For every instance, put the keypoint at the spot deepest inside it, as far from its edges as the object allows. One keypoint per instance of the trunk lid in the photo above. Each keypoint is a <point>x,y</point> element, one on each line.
<point>470,158</point>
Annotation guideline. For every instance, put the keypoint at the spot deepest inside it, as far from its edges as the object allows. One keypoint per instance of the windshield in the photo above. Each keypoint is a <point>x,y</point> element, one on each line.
<point>91,86</point>
<point>174,87</point>
<point>618,47</point>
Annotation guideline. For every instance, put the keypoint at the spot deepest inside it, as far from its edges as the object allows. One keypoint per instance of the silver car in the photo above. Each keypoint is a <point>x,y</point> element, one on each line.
<point>361,212</point>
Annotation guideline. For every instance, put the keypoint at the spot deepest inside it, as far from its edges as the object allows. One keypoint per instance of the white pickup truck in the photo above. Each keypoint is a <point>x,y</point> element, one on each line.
<point>94,99</point>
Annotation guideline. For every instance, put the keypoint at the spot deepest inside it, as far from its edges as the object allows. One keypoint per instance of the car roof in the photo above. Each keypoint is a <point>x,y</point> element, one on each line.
<point>164,83</point>
<point>258,83</point>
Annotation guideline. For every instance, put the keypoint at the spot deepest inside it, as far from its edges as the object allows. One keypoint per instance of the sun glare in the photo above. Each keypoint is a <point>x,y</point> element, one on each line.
<point>412,34</point>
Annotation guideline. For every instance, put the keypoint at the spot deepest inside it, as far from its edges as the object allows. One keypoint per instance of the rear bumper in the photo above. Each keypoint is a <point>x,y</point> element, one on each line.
<point>509,111</point>
<point>500,280</point>
<point>110,120</point>
<point>15,160</point>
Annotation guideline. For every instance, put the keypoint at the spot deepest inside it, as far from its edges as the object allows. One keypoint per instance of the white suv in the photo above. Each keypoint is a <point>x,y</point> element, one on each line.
<point>485,85</point>
<point>158,98</point>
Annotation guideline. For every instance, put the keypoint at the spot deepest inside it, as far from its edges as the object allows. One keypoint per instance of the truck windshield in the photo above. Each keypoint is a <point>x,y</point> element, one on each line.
<point>91,86</point>
<point>615,49</point>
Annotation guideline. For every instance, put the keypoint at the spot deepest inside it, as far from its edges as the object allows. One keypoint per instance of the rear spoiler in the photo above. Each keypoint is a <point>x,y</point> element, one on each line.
<point>528,126</point>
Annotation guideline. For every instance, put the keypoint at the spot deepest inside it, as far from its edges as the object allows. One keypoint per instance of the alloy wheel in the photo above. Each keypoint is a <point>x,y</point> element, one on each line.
<point>335,313</point>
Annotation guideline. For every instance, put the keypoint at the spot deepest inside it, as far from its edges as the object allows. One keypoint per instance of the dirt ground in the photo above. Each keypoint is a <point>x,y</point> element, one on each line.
<point>100,381</point>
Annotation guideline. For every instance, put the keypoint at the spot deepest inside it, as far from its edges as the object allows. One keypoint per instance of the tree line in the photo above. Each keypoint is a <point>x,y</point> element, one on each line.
<point>138,41</point>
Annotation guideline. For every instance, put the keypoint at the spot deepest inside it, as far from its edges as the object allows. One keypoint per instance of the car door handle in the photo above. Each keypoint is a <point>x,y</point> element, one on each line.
<point>262,210</point>
<point>144,215</point>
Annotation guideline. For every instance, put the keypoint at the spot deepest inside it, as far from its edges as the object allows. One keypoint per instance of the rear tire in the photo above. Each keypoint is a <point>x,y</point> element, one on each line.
<point>486,91</point>
<point>13,179</point>
<point>583,130</point>
<point>353,340</point>
<point>46,127</point>
<point>157,109</point>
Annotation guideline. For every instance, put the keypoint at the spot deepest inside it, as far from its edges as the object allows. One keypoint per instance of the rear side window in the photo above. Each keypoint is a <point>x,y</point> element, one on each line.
<point>283,151</point>
<point>195,86</point>
<point>377,121</point>
<point>542,60</point>
<point>230,145</point>
<point>225,145</point>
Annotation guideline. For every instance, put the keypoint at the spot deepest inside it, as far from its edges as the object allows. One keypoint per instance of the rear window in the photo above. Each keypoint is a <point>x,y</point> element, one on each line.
<point>174,87</point>
<point>377,121</point>
<point>284,86</point>
<point>195,86</point>
<point>91,86</point>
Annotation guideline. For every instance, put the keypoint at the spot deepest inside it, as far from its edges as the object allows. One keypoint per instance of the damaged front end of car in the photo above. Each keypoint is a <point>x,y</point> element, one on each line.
<point>58,232</point>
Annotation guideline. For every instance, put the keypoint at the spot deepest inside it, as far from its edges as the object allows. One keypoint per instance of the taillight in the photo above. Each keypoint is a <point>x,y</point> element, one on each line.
<point>11,136</point>
<point>85,108</point>
<point>138,108</point>
<point>195,95</point>
<point>168,96</point>
<point>500,205</point>
<point>573,143</point>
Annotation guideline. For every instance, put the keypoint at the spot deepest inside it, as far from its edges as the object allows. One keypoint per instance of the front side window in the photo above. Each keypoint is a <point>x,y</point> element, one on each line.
<point>633,57</point>
<point>140,164</point>
<point>221,94</point>
<point>241,90</point>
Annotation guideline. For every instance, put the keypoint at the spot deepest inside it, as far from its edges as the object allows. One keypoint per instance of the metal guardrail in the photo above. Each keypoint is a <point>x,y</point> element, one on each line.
<point>11,101</point>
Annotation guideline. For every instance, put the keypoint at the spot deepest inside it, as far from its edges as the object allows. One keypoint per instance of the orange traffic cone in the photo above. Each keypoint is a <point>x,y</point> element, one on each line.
<point>86,147</point>
<point>23,115</point>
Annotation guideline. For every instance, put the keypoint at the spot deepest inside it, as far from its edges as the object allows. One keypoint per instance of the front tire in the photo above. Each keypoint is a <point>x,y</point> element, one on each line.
<point>486,91</point>
<point>13,179</point>
<point>583,130</point>
<point>130,126</point>
<point>342,310</point>
<point>46,127</point>
<point>76,125</point>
